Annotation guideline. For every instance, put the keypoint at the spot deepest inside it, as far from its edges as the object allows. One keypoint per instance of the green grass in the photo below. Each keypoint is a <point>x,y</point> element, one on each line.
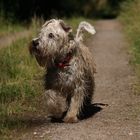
<point>7,27</point>
<point>131,22</point>
<point>21,84</point>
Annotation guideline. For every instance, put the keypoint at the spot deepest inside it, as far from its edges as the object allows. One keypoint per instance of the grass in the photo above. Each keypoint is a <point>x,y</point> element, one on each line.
<point>131,22</point>
<point>21,83</point>
<point>10,28</point>
<point>7,27</point>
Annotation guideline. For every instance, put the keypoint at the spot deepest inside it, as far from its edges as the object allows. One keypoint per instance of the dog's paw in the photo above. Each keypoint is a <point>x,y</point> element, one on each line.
<point>70,119</point>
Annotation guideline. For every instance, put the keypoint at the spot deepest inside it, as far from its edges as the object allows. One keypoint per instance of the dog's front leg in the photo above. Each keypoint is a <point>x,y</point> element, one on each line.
<point>55,104</point>
<point>75,105</point>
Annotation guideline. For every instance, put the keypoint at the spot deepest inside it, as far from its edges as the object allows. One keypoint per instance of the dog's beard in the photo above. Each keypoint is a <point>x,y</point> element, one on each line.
<point>51,52</point>
<point>42,60</point>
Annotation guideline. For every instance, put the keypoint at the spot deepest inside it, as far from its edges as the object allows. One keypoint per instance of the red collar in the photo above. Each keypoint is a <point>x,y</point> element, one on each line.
<point>64,62</point>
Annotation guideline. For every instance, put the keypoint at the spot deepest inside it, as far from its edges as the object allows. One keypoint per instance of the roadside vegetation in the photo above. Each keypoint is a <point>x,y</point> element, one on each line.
<point>7,27</point>
<point>131,23</point>
<point>20,81</point>
<point>19,85</point>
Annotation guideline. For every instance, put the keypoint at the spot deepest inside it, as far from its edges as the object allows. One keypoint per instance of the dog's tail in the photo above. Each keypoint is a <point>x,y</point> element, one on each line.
<point>84,26</point>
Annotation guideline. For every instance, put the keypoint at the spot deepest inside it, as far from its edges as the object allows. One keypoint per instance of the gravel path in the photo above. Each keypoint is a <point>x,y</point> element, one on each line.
<point>120,120</point>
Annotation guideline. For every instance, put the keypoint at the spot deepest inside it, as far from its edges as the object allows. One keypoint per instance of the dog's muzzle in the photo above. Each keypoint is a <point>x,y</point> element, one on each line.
<point>37,52</point>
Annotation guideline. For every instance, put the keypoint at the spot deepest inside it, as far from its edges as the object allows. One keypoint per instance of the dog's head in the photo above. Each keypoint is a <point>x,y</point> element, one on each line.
<point>56,37</point>
<point>52,37</point>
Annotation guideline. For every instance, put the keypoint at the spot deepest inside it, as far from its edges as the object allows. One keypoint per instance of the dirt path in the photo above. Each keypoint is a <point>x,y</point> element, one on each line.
<point>120,120</point>
<point>7,40</point>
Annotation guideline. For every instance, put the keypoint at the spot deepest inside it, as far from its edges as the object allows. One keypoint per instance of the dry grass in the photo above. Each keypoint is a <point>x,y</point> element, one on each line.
<point>131,21</point>
<point>20,85</point>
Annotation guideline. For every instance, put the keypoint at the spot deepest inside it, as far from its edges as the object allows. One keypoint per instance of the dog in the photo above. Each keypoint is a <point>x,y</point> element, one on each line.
<point>69,79</point>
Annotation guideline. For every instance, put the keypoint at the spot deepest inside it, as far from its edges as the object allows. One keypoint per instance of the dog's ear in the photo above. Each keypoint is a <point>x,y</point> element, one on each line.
<point>32,45</point>
<point>65,27</point>
<point>30,48</point>
<point>84,26</point>
<point>47,22</point>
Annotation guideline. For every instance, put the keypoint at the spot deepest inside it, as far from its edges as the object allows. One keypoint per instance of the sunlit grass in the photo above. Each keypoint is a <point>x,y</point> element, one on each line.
<point>131,22</point>
<point>20,84</point>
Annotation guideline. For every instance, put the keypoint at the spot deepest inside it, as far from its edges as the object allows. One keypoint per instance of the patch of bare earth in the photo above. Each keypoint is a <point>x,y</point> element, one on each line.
<point>120,120</point>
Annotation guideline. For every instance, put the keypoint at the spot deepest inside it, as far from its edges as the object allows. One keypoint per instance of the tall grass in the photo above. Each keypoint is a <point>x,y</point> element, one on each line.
<point>131,21</point>
<point>20,84</point>
<point>7,26</point>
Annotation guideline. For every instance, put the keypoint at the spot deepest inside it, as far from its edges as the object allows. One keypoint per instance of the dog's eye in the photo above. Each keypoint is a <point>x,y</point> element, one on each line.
<point>51,35</point>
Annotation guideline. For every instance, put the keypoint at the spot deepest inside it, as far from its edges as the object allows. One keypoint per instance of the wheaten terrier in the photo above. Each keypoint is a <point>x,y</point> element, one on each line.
<point>69,79</point>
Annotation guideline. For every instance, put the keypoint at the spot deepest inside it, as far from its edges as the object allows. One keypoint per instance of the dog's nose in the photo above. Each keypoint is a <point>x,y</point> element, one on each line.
<point>35,42</point>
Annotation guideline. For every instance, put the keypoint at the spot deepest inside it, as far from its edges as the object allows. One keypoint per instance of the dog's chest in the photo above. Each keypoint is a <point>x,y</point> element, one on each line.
<point>66,77</point>
<point>62,78</point>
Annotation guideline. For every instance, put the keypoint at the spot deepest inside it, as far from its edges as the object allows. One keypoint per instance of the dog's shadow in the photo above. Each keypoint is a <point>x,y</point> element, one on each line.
<point>91,110</point>
<point>88,112</point>
<point>34,121</point>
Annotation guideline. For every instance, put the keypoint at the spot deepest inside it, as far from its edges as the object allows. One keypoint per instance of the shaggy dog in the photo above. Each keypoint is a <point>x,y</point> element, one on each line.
<point>69,79</point>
